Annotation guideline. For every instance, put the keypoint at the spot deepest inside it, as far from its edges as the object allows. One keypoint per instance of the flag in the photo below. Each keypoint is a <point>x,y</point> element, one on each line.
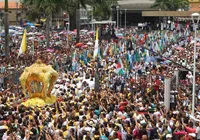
<point>96,44</point>
<point>137,56</point>
<point>106,49</point>
<point>119,70</point>
<point>74,62</point>
<point>147,53</point>
<point>120,63</point>
<point>160,44</point>
<point>99,54</point>
<point>23,44</point>
<point>115,48</point>
<point>122,47</point>
<point>86,57</point>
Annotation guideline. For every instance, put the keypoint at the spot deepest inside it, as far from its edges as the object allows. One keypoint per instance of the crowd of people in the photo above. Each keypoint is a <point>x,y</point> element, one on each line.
<point>119,95</point>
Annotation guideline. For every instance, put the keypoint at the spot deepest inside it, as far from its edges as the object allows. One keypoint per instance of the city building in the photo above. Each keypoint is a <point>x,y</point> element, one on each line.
<point>133,11</point>
<point>194,5</point>
<point>15,13</point>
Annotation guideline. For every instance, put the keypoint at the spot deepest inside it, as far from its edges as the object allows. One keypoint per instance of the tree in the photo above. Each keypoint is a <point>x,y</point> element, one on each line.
<point>171,5</point>
<point>74,11</point>
<point>6,25</point>
<point>47,7</point>
<point>102,8</point>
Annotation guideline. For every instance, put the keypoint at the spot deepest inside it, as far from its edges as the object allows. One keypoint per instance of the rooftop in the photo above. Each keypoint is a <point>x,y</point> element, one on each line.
<point>11,4</point>
<point>136,4</point>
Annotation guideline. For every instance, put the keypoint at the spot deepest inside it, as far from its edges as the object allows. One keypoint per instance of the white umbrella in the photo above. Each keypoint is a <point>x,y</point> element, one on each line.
<point>191,42</point>
<point>19,33</point>
<point>89,43</point>
<point>30,33</point>
<point>30,38</point>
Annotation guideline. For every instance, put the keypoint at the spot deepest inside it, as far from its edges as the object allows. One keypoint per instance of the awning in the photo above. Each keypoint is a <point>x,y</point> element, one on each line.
<point>168,13</point>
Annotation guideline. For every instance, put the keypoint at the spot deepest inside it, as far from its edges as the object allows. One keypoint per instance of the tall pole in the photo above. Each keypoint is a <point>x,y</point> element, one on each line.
<point>125,20</point>
<point>194,71</point>
<point>17,13</point>
<point>92,20</point>
<point>117,17</point>
<point>194,65</point>
<point>6,25</point>
<point>68,35</point>
<point>78,21</point>
<point>120,19</point>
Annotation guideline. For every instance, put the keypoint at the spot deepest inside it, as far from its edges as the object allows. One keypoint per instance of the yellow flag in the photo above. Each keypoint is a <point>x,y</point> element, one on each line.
<point>23,44</point>
<point>96,46</point>
<point>97,34</point>
<point>43,19</point>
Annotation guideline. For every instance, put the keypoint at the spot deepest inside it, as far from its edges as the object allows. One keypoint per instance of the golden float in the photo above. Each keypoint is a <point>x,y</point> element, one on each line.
<point>37,81</point>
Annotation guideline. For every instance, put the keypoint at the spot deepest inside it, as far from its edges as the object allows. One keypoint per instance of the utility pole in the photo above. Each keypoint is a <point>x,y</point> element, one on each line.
<point>6,25</point>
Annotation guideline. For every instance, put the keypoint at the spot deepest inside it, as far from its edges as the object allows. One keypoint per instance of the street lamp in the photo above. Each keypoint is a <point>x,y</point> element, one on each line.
<point>120,19</point>
<point>194,16</point>
<point>125,20</point>
<point>91,9</point>
<point>117,17</point>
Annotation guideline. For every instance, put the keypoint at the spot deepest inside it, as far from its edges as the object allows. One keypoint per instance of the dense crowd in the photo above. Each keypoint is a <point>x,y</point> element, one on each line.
<point>117,96</point>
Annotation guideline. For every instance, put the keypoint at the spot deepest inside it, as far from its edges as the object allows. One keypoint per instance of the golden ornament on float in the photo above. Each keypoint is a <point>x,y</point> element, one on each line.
<point>37,81</point>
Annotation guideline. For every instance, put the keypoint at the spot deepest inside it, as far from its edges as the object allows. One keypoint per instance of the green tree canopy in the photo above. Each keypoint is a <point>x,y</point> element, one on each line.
<point>102,8</point>
<point>171,5</point>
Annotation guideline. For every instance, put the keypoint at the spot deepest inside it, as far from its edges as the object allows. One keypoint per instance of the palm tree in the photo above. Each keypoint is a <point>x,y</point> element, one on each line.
<point>6,25</point>
<point>102,9</point>
<point>181,4</point>
<point>78,4</point>
<point>171,5</point>
<point>47,7</point>
<point>162,4</point>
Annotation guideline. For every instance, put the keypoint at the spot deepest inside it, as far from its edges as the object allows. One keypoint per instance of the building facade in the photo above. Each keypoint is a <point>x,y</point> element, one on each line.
<point>133,11</point>
<point>194,5</point>
<point>15,13</point>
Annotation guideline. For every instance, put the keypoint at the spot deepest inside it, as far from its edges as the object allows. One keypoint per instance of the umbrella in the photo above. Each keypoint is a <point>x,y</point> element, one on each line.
<point>91,32</point>
<point>30,33</point>
<point>79,44</point>
<point>166,62</point>
<point>90,43</point>
<point>151,59</point>
<point>19,33</point>
<point>84,46</point>
<point>50,50</point>
<point>29,24</point>
<point>37,25</point>
<point>180,48</point>
<point>119,35</point>
<point>30,38</point>
<point>38,33</point>
<point>193,41</point>
<point>62,32</point>
<point>42,36</point>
